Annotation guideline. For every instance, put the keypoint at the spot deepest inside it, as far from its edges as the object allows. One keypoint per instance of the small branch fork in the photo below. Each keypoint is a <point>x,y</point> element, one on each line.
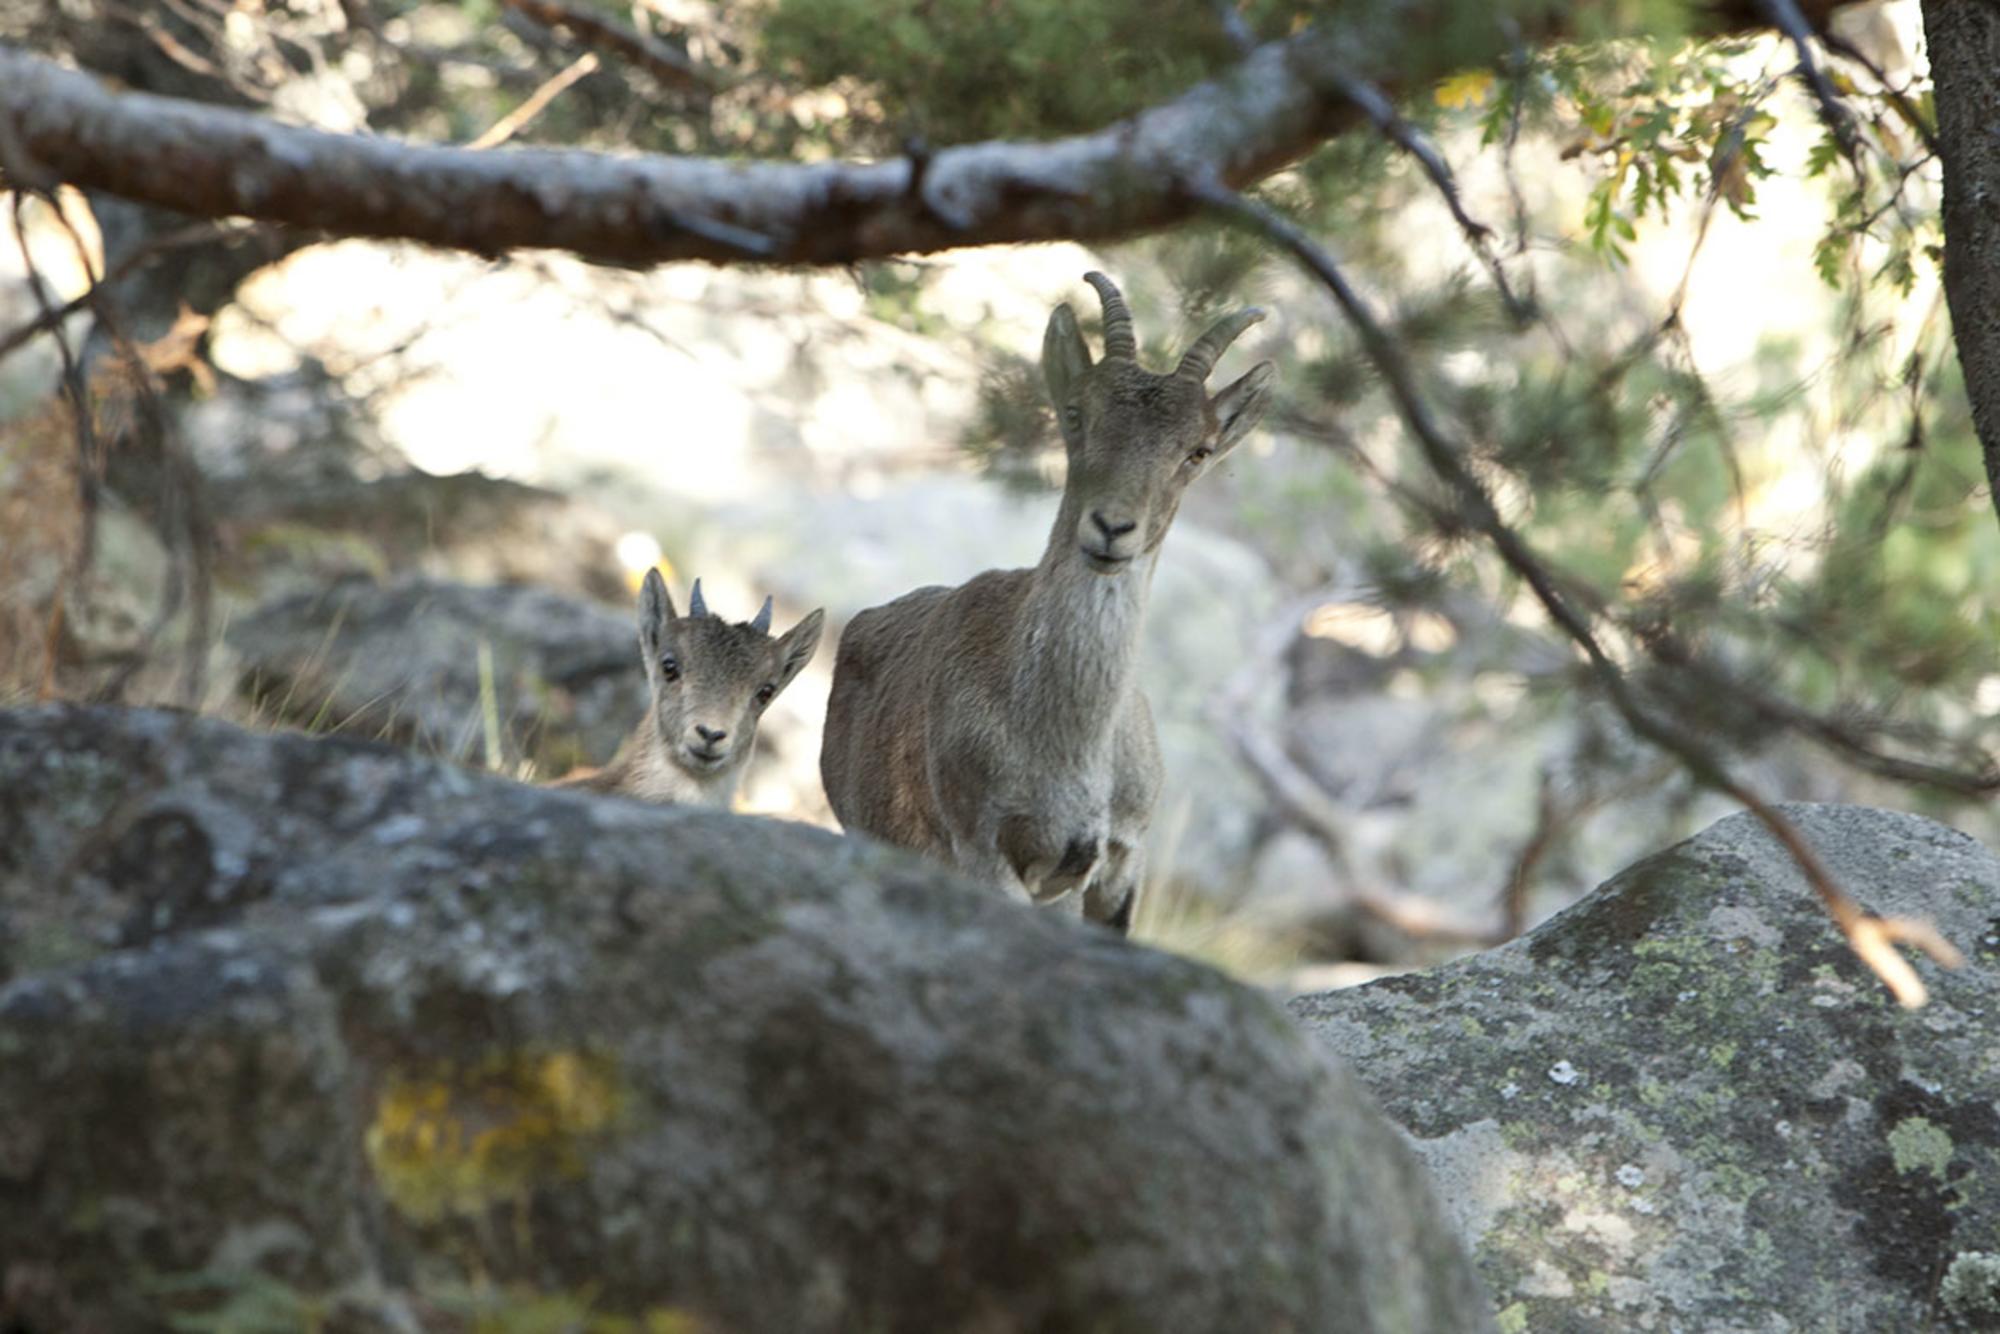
<point>1788,19</point>
<point>1372,102</point>
<point>1872,938</point>
<point>663,62</point>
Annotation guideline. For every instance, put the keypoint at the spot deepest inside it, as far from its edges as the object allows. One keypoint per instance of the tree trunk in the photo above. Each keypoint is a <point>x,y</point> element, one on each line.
<point>1964,39</point>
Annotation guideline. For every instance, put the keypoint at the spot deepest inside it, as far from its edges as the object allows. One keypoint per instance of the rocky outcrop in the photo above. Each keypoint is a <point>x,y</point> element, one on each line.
<point>320,1031</point>
<point>289,524</point>
<point>417,660</point>
<point>1682,1104</point>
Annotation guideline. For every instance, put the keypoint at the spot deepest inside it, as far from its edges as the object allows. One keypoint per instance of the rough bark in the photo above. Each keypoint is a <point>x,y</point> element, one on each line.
<point>311,1026</point>
<point>1128,177</point>
<point>1964,41</point>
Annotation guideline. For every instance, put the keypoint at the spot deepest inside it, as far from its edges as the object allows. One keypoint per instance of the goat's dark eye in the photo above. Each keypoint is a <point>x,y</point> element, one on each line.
<point>670,667</point>
<point>765,694</point>
<point>1201,455</point>
<point>1073,418</point>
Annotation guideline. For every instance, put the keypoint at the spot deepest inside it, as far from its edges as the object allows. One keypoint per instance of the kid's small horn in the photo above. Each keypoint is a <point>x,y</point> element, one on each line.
<point>696,607</point>
<point>762,620</point>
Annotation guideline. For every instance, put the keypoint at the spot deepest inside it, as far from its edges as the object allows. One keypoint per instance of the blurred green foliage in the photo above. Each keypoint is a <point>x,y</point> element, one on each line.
<point>957,70</point>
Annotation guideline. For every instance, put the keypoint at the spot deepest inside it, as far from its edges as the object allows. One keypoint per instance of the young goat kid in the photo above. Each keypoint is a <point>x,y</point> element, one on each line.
<point>711,682</point>
<point>997,725</point>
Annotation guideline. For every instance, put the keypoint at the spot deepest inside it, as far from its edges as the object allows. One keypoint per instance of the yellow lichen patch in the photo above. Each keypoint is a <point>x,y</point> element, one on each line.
<point>460,1139</point>
<point>1469,88</point>
<point>517,1309</point>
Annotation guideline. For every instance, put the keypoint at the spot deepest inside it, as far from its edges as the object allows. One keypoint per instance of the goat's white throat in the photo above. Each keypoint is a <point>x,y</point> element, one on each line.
<point>1076,647</point>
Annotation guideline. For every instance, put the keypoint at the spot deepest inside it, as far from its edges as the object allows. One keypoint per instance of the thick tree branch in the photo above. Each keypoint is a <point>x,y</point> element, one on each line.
<point>211,162</point>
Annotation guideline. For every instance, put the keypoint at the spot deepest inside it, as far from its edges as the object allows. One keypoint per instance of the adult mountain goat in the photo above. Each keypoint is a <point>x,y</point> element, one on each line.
<point>998,726</point>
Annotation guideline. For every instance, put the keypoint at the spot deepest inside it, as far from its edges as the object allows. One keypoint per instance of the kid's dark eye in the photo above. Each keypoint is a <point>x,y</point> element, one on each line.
<point>670,667</point>
<point>1073,418</point>
<point>1201,455</point>
<point>765,694</point>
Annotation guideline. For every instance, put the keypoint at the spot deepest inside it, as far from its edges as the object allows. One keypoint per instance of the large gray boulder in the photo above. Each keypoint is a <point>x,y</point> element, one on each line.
<point>1683,1105</point>
<point>313,1031</point>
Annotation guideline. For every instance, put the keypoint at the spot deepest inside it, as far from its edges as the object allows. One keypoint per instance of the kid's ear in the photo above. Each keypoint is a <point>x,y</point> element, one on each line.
<point>797,646</point>
<point>656,612</point>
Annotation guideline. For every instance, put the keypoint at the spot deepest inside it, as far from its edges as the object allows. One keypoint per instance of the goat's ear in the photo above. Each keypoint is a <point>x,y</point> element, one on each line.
<point>656,612</point>
<point>797,646</point>
<point>1241,406</point>
<point>1065,357</point>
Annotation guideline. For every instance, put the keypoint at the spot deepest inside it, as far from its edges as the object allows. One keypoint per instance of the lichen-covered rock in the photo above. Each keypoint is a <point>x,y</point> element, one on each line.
<point>313,1033</point>
<point>1683,1105</point>
<point>416,661</point>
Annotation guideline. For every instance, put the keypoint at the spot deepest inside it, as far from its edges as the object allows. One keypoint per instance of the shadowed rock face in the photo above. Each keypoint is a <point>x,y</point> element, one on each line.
<point>401,662</point>
<point>1683,1105</point>
<point>315,1022</point>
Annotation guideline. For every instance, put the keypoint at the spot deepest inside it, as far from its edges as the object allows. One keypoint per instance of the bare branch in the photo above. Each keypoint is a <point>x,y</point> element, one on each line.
<point>658,59</point>
<point>1900,97</point>
<point>1788,19</point>
<point>195,234</point>
<point>1373,103</point>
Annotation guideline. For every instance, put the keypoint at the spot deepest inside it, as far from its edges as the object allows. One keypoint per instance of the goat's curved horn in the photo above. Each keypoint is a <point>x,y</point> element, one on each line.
<point>762,620</point>
<point>1200,359</point>
<point>1118,339</point>
<point>696,607</point>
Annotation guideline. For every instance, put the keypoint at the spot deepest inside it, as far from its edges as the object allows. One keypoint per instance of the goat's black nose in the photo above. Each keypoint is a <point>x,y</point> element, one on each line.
<point>710,734</point>
<point>1112,530</point>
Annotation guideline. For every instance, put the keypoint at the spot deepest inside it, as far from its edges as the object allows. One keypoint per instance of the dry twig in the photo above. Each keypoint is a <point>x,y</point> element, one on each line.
<point>536,102</point>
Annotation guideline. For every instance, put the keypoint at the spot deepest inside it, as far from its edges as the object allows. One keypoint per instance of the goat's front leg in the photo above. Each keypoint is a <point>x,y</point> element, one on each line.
<point>985,863</point>
<point>1053,868</point>
<point>1113,898</point>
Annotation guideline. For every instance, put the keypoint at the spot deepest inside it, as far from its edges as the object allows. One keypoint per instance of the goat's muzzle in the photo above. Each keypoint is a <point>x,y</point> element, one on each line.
<point>705,749</point>
<point>1102,540</point>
